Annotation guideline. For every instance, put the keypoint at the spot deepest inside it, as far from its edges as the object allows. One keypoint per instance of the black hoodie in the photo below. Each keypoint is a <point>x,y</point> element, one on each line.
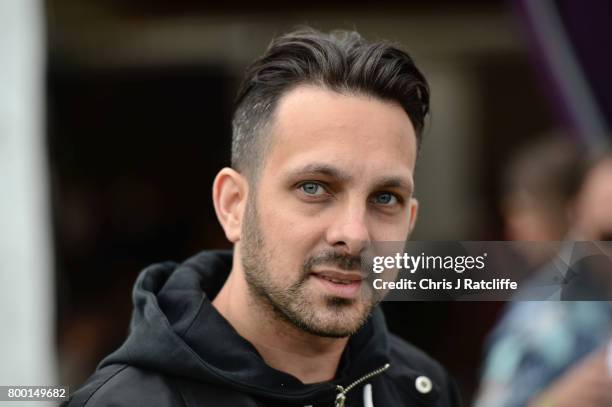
<point>182,352</point>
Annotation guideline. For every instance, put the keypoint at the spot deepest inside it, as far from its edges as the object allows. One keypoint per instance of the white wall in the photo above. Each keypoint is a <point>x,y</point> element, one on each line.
<point>26,312</point>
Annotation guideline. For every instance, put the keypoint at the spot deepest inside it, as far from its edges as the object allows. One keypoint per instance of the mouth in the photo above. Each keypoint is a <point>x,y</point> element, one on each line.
<point>339,283</point>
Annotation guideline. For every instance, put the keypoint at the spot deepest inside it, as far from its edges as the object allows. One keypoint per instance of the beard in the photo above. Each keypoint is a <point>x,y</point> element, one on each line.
<point>335,317</point>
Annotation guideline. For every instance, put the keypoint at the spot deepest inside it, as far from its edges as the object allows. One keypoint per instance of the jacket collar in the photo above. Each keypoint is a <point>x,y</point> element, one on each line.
<point>176,330</point>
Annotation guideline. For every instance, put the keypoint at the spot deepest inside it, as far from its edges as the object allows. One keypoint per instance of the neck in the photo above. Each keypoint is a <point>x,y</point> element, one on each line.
<point>308,357</point>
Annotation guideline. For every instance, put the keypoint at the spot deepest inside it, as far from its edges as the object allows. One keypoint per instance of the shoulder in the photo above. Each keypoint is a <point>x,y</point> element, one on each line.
<point>535,342</point>
<point>410,364</point>
<point>531,326</point>
<point>409,356</point>
<point>123,385</point>
<point>120,385</point>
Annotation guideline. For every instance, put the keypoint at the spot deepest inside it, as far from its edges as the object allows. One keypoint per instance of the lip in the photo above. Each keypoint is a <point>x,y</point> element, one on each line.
<point>339,275</point>
<point>348,284</point>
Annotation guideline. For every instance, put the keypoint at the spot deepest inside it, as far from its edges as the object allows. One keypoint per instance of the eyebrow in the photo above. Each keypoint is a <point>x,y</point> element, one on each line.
<point>321,169</point>
<point>333,172</point>
<point>394,182</point>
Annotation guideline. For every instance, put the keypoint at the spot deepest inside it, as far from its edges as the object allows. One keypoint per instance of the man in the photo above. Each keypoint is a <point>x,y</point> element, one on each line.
<point>554,353</point>
<point>325,139</point>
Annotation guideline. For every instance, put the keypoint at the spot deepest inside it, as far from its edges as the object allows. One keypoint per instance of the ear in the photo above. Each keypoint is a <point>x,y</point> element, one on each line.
<point>414,212</point>
<point>230,191</point>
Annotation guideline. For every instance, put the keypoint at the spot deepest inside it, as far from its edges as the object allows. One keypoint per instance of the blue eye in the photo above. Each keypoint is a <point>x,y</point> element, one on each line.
<point>312,188</point>
<point>385,198</point>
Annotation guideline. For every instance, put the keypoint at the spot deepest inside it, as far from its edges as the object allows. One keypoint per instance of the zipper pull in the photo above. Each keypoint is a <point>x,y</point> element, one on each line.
<point>341,397</point>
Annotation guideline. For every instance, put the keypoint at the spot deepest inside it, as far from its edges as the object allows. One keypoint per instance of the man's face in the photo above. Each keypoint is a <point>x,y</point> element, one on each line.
<point>337,176</point>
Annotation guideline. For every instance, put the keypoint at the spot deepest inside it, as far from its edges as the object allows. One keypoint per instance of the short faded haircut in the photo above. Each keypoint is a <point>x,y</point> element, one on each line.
<point>342,61</point>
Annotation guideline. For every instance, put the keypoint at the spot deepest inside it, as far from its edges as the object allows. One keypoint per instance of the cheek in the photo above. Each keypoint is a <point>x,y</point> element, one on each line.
<point>290,237</point>
<point>291,221</point>
<point>393,229</point>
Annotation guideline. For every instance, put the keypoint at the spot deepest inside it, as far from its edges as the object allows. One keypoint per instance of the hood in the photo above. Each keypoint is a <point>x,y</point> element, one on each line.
<point>175,330</point>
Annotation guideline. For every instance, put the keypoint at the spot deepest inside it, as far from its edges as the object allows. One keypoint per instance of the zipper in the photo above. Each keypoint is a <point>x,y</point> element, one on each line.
<point>342,391</point>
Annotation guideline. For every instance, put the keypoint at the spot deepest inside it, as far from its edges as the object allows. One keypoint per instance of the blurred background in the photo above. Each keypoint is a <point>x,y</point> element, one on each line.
<point>115,117</point>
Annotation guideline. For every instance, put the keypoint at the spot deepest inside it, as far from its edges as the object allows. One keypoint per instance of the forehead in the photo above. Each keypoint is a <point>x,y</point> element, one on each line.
<point>357,133</point>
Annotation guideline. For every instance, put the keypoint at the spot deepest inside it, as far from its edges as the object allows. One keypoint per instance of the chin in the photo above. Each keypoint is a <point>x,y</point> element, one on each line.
<point>340,321</point>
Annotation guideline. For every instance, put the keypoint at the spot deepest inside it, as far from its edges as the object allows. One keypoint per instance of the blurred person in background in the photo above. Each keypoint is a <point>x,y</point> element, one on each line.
<point>325,140</point>
<point>552,352</point>
<point>539,187</point>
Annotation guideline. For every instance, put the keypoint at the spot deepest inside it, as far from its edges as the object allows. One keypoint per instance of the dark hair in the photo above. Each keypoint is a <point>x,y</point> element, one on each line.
<point>549,169</point>
<point>341,61</point>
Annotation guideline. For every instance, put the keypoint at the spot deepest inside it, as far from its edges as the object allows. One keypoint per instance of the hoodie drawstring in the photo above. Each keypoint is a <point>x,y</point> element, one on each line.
<point>367,396</point>
<point>342,391</point>
<point>367,389</point>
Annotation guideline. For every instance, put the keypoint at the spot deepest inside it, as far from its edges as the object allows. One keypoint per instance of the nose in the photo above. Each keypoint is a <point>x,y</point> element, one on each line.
<point>349,232</point>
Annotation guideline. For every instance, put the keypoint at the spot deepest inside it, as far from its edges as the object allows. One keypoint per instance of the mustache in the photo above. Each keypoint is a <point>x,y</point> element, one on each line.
<point>331,258</point>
